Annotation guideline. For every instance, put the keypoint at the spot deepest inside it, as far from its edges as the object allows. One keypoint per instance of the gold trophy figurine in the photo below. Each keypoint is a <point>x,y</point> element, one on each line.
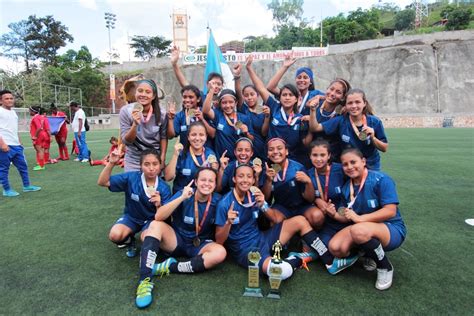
<point>275,272</point>
<point>253,289</point>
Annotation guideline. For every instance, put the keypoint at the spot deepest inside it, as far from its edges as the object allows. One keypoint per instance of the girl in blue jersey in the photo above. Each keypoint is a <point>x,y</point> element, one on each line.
<point>178,123</point>
<point>304,82</point>
<point>329,106</point>
<point>371,208</point>
<point>230,124</point>
<point>285,121</point>
<point>327,178</point>
<point>243,152</point>
<point>286,182</point>
<point>190,235</point>
<point>358,128</point>
<point>236,219</point>
<point>186,161</point>
<point>144,194</point>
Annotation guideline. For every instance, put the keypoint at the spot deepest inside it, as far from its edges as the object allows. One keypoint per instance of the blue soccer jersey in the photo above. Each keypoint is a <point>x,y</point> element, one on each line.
<point>292,132</point>
<point>227,135</point>
<point>257,123</point>
<point>227,183</point>
<point>181,126</point>
<point>341,125</point>
<point>186,167</point>
<point>184,217</point>
<point>244,233</point>
<point>286,190</point>
<point>136,198</point>
<point>378,191</point>
<point>334,139</point>
<point>303,109</point>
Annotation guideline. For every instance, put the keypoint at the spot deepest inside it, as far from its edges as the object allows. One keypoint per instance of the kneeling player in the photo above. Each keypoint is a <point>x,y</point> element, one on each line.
<point>190,234</point>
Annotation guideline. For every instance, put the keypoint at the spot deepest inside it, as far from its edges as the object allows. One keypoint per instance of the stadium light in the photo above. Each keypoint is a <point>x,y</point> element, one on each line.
<point>110,19</point>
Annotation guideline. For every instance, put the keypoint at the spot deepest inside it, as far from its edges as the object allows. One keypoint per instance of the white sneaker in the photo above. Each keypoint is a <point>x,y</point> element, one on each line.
<point>368,264</point>
<point>384,279</point>
<point>85,160</point>
<point>76,159</point>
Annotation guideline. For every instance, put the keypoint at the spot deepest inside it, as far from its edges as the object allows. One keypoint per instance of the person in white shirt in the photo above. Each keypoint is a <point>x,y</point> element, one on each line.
<point>11,150</point>
<point>79,129</point>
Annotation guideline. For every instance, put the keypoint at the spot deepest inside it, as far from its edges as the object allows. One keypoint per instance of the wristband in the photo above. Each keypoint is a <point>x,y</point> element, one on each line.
<point>264,207</point>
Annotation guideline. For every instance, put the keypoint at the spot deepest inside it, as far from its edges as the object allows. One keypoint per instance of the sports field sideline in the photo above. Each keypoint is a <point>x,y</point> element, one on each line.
<point>56,258</point>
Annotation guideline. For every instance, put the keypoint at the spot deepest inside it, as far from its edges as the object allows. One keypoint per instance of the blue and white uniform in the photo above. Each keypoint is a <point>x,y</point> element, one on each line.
<point>183,224</point>
<point>341,125</point>
<point>138,211</point>
<point>227,135</point>
<point>181,127</point>
<point>379,190</point>
<point>292,132</point>
<point>288,193</point>
<point>227,183</point>
<point>334,139</point>
<point>257,123</point>
<point>186,168</point>
<point>244,234</point>
<point>336,182</point>
<point>303,109</point>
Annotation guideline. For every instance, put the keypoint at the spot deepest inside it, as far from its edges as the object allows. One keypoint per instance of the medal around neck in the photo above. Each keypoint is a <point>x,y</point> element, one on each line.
<point>276,167</point>
<point>257,162</point>
<point>363,136</point>
<point>341,210</point>
<point>238,124</point>
<point>253,287</point>
<point>138,107</point>
<point>196,241</point>
<point>191,113</point>
<point>212,159</point>
<point>253,189</point>
<point>150,190</point>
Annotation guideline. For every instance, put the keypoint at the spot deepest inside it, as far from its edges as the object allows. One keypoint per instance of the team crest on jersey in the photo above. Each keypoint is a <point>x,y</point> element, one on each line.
<point>372,203</point>
<point>188,220</point>
<point>220,127</point>
<point>135,197</point>
<point>186,172</point>
<point>337,189</point>
<point>345,138</point>
<point>184,128</point>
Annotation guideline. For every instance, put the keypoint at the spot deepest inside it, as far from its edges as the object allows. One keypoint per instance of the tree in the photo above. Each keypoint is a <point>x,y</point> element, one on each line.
<point>287,13</point>
<point>405,19</point>
<point>47,36</point>
<point>147,47</point>
<point>458,17</point>
<point>15,44</point>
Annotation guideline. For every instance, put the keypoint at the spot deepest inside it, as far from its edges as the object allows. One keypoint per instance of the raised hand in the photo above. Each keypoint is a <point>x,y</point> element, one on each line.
<point>231,214</point>
<point>302,177</point>
<point>137,116</point>
<point>174,55</point>
<point>171,110</point>
<point>223,160</point>
<point>266,110</point>
<point>248,61</point>
<point>156,199</point>
<point>178,147</point>
<point>314,101</point>
<point>289,60</point>
<point>270,172</point>
<point>188,191</point>
<point>114,156</point>
<point>236,70</point>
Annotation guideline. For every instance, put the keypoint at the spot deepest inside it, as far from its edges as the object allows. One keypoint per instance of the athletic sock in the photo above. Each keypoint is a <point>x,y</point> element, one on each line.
<point>194,265</point>
<point>66,153</point>
<point>46,157</point>
<point>373,249</point>
<point>312,239</point>
<point>294,261</point>
<point>150,249</point>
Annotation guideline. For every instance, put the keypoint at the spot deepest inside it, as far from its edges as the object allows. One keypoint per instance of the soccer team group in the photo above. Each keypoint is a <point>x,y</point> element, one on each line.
<point>303,163</point>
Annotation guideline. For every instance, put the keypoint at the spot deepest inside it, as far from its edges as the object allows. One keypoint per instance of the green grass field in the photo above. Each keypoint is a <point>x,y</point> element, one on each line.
<point>56,259</point>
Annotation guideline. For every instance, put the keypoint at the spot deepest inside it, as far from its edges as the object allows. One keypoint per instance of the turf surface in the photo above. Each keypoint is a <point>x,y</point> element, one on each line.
<point>56,258</point>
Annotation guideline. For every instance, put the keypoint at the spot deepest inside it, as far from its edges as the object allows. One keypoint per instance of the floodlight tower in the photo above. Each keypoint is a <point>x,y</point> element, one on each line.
<point>110,19</point>
<point>421,10</point>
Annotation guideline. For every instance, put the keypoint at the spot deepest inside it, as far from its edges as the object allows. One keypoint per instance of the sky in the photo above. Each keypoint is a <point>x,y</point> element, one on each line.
<point>229,20</point>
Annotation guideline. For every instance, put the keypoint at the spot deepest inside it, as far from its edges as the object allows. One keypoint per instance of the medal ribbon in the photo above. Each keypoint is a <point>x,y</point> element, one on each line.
<point>364,177</point>
<point>231,121</point>
<point>188,118</point>
<point>289,120</point>
<point>250,203</point>
<point>285,169</point>
<point>354,127</point>
<point>198,225</point>
<point>148,116</point>
<point>321,111</point>
<point>324,194</point>
<point>145,186</point>
<point>303,102</point>
<point>196,162</point>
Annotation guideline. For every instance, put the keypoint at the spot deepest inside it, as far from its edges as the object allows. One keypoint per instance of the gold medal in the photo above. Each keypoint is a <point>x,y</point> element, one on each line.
<point>138,106</point>
<point>363,136</point>
<point>341,210</point>
<point>253,189</point>
<point>212,159</point>
<point>191,113</point>
<point>276,167</point>
<point>257,162</point>
<point>196,242</point>
<point>150,190</point>
<point>238,124</point>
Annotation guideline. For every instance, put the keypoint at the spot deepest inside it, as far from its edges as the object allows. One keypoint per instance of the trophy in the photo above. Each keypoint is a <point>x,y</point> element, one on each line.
<point>253,289</point>
<point>275,272</point>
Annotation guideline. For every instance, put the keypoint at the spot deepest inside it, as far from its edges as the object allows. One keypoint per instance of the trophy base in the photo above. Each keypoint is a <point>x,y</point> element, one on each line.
<point>253,292</point>
<point>274,295</point>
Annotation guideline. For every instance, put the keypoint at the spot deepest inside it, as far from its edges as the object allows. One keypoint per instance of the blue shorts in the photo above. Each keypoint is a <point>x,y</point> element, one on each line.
<point>327,232</point>
<point>185,247</point>
<point>136,225</point>
<point>290,212</point>
<point>264,245</point>
<point>396,237</point>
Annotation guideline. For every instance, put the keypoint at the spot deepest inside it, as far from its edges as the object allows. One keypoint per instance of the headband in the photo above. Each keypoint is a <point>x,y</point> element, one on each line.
<point>151,83</point>
<point>242,139</point>
<point>275,139</point>
<point>307,71</point>
<point>32,109</point>
<point>341,81</point>
<point>227,92</point>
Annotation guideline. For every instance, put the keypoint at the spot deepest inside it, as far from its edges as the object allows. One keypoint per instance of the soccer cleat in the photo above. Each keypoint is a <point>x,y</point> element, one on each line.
<point>38,168</point>
<point>31,188</point>
<point>162,268</point>
<point>384,279</point>
<point>368,264</point>
<point>131,248</point>
<point>339,264</point>
<point>305,256</point>
<point>10,193</point>
<point>85,160</point>
<point>144,293</point>
<point>77,159</point>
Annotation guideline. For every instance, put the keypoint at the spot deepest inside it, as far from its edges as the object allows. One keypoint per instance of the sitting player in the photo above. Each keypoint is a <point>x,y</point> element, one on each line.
<point>114,142</point>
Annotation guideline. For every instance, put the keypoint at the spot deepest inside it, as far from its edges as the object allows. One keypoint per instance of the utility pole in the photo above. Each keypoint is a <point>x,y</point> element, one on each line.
<point>110,19</point>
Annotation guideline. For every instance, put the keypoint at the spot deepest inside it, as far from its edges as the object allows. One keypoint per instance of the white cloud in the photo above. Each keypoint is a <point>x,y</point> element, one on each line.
<point>88,4</point>
<point>351,5</point>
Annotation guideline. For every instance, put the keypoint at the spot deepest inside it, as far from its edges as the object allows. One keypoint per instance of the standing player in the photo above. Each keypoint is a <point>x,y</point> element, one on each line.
<point>376,225</point>
<point>79,127</point>
<point>144,193</point>
<point>61,135</point>
<point>40,136</point>
<point>190,235</point>
<point>11,150</point>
